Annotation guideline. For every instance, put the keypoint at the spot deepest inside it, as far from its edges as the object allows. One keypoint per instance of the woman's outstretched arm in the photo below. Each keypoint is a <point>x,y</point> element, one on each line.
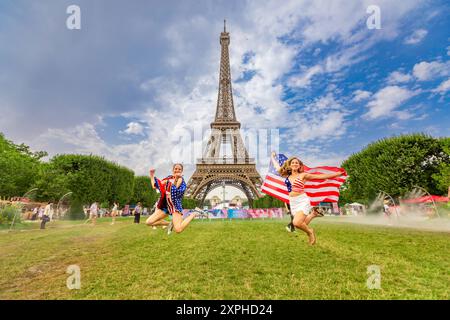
<point>311,176</point>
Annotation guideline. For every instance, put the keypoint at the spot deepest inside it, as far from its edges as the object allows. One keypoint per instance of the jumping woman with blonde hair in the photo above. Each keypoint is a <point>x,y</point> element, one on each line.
<point>293,170</point>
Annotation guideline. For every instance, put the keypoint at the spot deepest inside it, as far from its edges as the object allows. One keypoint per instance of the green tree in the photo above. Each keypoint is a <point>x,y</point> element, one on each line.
<point>267,202</point>
<point>143,192</point>
<point>19,168</point>
<point>89,178</point>
<point>189,203</point>
<point>24,149</point>
<point>442,178</point>
<point>52,183</point>
<point>394,165</point>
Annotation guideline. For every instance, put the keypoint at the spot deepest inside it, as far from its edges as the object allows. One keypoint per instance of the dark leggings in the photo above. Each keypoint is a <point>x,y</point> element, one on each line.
<point>45,219</point>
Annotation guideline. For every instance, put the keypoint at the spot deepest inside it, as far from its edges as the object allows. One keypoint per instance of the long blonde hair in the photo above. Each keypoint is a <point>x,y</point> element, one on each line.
<point>285,169</point>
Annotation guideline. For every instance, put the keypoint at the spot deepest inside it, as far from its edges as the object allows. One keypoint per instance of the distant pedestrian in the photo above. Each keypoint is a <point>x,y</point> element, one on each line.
<point>41,212</point>
<point>93,212</point>
<point>35,213</point>
<point>137,213</point>
<point>114,212</point>
<point>46,214</point>
<point>386,209</point>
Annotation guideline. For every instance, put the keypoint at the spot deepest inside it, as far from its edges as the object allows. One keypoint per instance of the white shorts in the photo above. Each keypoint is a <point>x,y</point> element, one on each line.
<point>300,203</point>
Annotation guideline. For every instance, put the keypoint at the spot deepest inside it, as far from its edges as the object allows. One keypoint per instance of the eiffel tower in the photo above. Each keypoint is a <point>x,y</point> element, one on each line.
<point>236,169</point>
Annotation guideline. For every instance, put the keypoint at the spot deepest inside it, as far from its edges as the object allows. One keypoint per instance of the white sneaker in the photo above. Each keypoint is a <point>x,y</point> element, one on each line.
<point>170,228</point>
<point>290,227</point>
<point>154,228</point>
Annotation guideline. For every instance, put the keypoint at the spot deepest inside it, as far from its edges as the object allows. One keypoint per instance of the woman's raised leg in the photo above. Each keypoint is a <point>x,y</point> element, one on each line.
<point>156,218</point>
<point>178,223</point>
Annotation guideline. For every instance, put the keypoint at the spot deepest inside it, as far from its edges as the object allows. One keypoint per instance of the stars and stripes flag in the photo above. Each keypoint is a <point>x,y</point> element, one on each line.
<point>318,190</point>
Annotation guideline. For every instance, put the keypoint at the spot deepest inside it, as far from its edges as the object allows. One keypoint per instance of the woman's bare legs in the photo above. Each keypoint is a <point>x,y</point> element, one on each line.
<point>157,218</point>
<point>311,216</point>
<point>300,223</point>
<point>178,223</point>
<point>161,223</point>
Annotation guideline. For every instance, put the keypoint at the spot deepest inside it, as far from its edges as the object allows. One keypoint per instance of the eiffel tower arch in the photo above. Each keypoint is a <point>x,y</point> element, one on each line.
<point>237,169</point>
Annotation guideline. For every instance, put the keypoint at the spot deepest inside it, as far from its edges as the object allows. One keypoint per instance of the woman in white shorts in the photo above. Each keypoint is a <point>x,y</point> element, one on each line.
<point>300,204</point>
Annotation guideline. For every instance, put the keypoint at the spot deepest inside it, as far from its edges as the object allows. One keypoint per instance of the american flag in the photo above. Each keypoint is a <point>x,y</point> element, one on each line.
<point>318,190</point>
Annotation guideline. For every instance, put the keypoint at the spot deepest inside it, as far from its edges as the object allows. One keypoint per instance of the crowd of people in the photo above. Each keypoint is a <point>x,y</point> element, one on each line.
<point>94,211</point>
<point>46,212</point>
<point>43,213</point>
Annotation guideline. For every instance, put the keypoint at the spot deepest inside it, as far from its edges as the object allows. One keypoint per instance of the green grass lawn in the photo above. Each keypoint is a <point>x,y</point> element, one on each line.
<point>223,260</point>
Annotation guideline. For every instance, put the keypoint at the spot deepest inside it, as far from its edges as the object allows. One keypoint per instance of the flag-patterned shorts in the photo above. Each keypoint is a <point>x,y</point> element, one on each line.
<point>166,204</point>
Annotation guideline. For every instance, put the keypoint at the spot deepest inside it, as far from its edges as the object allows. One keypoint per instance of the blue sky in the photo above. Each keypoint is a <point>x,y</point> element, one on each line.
<point>140,77</point>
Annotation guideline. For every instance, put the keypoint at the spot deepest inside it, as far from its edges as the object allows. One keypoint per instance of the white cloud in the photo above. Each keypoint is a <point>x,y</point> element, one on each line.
<point>304,80</point>
<point>403,114</point>
<point>443,87</point>
<point>448,50</point>
<point>82,138</point>
<point>324,21</point>
<point>325,103</point>
<point>424,71</point>
<point>139,156</point>
<point>326,126</point>
<point>134,128</point>
<point>335,62</point>
<point>397,77</point>
<point>360,95</point>
<point>416,37</point>
<point>386,100</point>
<point>348,56</point>
<point>322,120</point>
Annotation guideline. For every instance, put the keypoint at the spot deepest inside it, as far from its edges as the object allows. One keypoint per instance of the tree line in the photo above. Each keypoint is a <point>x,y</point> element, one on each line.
<point>266,202</point>
<point>393,165</point>
<point>89,178</point>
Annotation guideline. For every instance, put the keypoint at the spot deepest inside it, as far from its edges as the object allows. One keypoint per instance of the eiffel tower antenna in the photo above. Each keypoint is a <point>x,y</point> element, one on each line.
<point>236,169</point>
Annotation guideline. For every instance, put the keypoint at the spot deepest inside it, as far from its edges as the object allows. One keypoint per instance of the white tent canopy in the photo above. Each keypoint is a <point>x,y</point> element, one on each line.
<point>356,204</point>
